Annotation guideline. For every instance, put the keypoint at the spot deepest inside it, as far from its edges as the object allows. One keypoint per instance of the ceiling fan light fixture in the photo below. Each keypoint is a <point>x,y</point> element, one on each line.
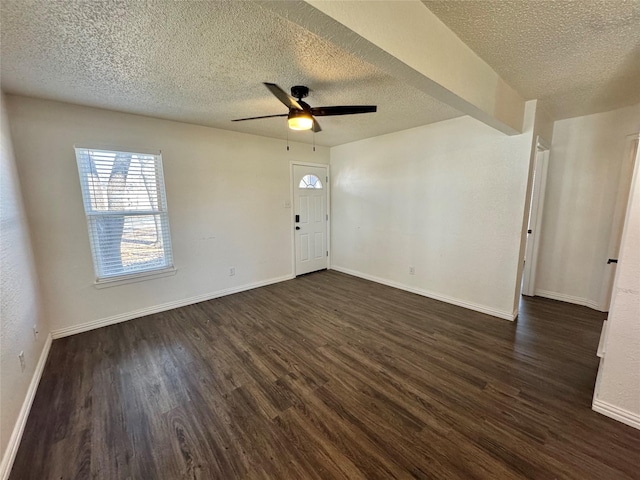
<point>300,120</point>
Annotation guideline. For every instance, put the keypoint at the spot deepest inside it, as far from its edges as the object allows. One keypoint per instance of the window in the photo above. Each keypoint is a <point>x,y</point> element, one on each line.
<point>126,208</point>
<point>310,181</point>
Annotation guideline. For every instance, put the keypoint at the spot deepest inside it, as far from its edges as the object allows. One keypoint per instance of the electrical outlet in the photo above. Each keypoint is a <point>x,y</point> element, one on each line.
<point>35,332</point>
<point>232,271</point>
<point>21,357</point>
<point>412,270</point>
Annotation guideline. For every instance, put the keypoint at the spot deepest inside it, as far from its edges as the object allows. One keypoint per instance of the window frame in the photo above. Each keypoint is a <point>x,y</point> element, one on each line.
<point>92,213</point>
<point>310,186</point>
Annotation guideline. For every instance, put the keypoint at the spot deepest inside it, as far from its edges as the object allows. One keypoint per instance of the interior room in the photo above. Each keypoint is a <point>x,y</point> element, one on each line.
<point>320,239</point>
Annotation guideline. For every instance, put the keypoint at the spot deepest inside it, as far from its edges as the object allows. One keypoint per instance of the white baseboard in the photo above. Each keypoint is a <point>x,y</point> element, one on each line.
<point>436,296</point>
<point>123,317</point>
<point>585,302</point>
<point>617,413</point>
<point>603,336</point>
<point>16,435</point>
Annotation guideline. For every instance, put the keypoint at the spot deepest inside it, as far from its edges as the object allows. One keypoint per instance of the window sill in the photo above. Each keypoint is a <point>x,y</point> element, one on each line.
<point>133,278</point>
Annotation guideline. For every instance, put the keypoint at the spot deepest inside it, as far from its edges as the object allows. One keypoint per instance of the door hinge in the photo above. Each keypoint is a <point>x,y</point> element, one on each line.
<point>327,216</point>
<point>326,179</point>
<point>327,253</point>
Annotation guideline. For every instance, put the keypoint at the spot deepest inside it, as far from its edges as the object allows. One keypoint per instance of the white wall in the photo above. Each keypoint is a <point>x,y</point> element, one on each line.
<point>618,389</point>
<point>20,308</point>
<point>226,195</point>
<point>544,124</point>
<point>584,167</point>
<point>446,198</point>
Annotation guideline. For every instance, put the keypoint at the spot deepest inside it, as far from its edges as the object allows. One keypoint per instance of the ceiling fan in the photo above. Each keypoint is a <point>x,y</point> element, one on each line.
<point>301,116</point>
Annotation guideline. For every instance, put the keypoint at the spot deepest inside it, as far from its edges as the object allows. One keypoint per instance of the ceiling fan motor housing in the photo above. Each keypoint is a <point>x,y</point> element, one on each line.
<point>299,91</point>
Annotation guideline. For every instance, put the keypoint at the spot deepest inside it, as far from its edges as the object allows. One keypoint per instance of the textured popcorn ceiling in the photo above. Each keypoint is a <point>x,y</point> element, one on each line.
<point>578,57</point>
<point>197,62</point>
<point>204,62</point>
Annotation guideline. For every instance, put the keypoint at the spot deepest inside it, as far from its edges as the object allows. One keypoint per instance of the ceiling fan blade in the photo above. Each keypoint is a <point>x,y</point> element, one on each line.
<point>256,118</point>
<point>281,95</point>
<point>343,110</point>
<point>316,126</point>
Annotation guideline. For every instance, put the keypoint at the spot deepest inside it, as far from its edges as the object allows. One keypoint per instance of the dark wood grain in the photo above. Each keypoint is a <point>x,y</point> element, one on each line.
<point>328,376</point>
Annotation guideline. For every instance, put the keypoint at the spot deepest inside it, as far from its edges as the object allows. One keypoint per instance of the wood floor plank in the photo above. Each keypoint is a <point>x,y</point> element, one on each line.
<point>328,376</point>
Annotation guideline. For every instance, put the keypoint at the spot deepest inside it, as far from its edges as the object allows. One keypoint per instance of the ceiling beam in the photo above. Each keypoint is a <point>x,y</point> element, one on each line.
<point>406,40</point>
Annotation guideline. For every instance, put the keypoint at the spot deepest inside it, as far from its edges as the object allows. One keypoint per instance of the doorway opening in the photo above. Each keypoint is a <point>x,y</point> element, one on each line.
<point>536,209</point>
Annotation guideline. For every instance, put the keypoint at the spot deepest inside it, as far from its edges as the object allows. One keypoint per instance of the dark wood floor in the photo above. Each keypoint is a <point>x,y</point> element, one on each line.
<point>328,376</point>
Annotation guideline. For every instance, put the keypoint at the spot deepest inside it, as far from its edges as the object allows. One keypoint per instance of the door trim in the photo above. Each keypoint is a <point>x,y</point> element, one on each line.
<point>292,203</point>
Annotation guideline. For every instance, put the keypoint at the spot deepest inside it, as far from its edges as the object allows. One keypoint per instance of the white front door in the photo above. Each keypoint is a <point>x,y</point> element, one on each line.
<point>310,217</point>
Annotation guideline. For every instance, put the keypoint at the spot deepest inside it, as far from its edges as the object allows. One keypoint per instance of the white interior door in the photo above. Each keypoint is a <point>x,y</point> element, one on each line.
<point>310,217</point>
<point>617,223</point>
<point>535,221</point>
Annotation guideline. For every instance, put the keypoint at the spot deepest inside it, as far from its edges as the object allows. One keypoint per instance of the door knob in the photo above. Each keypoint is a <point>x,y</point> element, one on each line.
<point>297,228</point>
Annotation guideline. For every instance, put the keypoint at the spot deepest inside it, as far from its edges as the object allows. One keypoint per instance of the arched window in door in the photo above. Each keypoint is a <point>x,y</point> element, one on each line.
<point>310,181</point>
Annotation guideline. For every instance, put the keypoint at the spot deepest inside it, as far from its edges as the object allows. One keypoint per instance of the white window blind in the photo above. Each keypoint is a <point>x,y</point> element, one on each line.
<point>126,208</point>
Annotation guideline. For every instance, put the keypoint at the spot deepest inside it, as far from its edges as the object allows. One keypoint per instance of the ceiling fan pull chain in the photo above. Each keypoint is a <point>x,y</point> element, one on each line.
<point>287,139</point>
<point>314,140</point>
